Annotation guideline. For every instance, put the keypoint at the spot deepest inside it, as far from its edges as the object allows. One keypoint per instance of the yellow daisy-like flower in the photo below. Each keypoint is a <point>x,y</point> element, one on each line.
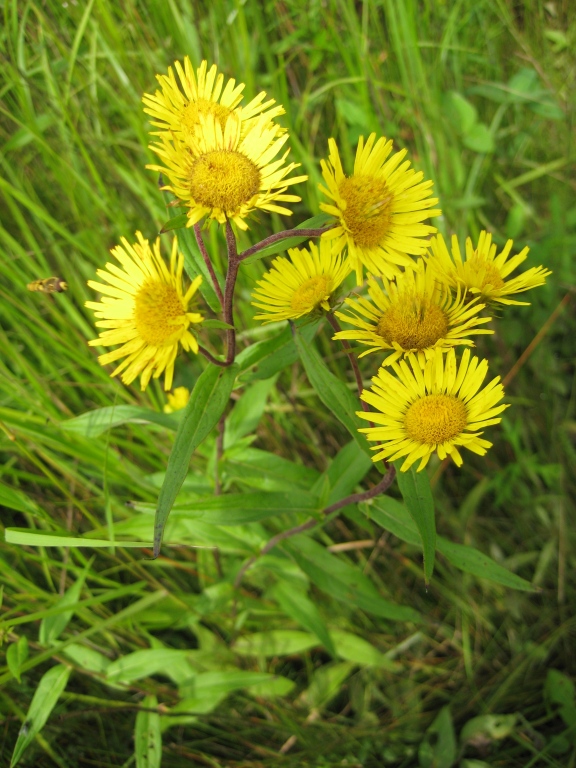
<point>177,400</point>
<point>145,309</point>
<point>177,107</point>
<point>415,313</point>
<point>482,273</point>
<point>303,284</point>
<point>435,408</point>
<point>223,174</point>
<point>380,207</point>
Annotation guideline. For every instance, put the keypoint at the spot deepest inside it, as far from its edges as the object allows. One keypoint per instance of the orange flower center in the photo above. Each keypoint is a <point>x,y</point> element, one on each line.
<point>311,293</point>
<point>413,323</point>
<point>224,179</point>
<point>435,419</point>
<point>159,314</point>
<point>367,213</point>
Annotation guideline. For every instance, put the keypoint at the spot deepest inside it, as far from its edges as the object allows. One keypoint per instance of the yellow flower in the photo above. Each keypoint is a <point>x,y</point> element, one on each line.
<point>482,273</point>
<point>145,308</point>
<point>222,174</point>
<point>302,285</point>
<point>415,313</point>
<point>177,400</point>
<point>380,208</point>
<point>177,107</point>
<point>435,408</point>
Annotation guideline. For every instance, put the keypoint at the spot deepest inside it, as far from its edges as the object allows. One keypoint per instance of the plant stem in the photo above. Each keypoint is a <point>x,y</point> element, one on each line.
<point>354,498</point>
<point>228,306</point>
<point>208,262</point>
<point>281,236</point>
<point>351,356</point>
<point>211,358</point>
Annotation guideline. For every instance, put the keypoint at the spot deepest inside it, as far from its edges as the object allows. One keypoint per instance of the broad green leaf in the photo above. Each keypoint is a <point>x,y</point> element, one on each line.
<point>479,139</point>
<point>43,702</point>
<point>95,423</point>
<point>176,222</point>
<point>223,682</point>
<point>30,538</point>
<point>459,111</point>
<point>332,392</point>
<point>489,727</point>
<point>438,748</point>
<point>266,471</point>
<point>147,735</point>
<point>247,412</point>
<point>478,564</point>
<point>52,626</point>
<point>240,508</point>
<point>326,683</point>
<point>417,495</point>
<point>344,582</point>
<point>207,403</point>
<point>298,606</point>
<point>275,642</point>
<point>353,648</point>
<point>87,658</point>
<point>282,245</point>
<point>274,686</point>
<point>172,662</point>
<point>266,358</point>
<point>16,655</point>
<point>393,516</point>
<point>560,694</point>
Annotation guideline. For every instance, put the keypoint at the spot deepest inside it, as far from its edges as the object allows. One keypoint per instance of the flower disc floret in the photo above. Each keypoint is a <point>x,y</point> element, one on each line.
<point>483,274</point>
<point>380,208</point>
<point>437,408</point>
<point>182,101</point>
<point>414,313</point>
<point>223,174</point>
<point>304,283</point>
<point>146,310</point>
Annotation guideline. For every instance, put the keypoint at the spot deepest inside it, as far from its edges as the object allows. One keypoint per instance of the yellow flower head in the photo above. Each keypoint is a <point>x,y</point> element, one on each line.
<point>414,313</point>
<point>435,408</point>
<point>380,208</point>
<point>303,284</point>
<point>145,309</point>
<point>177,400</point>
<point>222,174</point>
<point>482,273</point>
<point>177,107</point>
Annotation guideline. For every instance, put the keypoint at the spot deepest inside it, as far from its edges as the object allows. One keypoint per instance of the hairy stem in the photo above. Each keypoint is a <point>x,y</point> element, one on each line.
<point>354,498</point>
<point>208,262</point>
<point>282,236</point>
<point>228,306</point>
<point>212,359</point>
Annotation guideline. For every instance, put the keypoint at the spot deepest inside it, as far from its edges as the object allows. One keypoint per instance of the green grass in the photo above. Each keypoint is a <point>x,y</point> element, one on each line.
<point>72,181</point>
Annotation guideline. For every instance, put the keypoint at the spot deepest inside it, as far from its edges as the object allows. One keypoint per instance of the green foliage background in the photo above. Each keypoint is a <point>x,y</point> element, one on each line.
<point>480,94</point>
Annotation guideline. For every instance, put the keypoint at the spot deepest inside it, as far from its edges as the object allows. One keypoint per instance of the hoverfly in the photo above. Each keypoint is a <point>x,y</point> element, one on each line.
<point>48,285</point>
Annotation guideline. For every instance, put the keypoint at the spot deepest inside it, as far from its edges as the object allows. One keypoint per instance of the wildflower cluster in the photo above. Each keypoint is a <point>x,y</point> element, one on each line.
<point>415,301</point>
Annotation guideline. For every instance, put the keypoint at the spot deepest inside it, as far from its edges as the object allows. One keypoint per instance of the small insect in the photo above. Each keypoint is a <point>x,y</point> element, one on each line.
<point>48,285</point>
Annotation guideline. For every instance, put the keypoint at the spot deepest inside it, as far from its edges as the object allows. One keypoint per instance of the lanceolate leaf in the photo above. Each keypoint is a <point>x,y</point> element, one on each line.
<point>282,245</point>
<point>332,392</point>
<point>95,423</point>
<point>417,495</point>
<point>241,508</point>
<point>207,403</point>
<point>147,735</point>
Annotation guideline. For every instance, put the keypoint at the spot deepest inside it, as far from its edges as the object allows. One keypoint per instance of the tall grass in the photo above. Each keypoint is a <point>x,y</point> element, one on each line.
<point>479,92</point>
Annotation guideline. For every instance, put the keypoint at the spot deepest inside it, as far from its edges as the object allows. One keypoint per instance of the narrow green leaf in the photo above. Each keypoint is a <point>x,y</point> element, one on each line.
<point>351,647</point>
<point>177,222</point>
<point>438,748</point>
<point>207,403</point>
<point>241,508</point>
<point>52,627</point>
<point>218,324</point>
<point>417,495</point>
<point>332,392</point>
<point>29,538</point>
<point>15,499</point>
<point>478,564</point>
<point>298,606</point>
<point>172,662</point>
<point>326,683</point>
<point>266,471</point>
<point>247,412</point>
<point>16,655</point>
<point>282,245</point>
<point>344,582</point>
<point>147,735</point>
<point>95,423</point>
<point>275,642</point>
<point>43,702</point>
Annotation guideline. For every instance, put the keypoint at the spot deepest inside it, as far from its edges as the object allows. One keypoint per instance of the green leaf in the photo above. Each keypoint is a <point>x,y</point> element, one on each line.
<point>282,245</point>
<point>218,324</point>
<point>95,423</point>
<point>240,508</point>
<point>344,582</point>
<point>273,355</point>
<point>43,702</point>
<point>172,662</point>
<point>247,412</point>
<point>438,748</point>
<point>332,392</point>
<point>207,403</point>
<point>346,470</point>
<point>147,735</point>
<point>417,495</point>
<point>14,499</point>
<point>393,516</point>
<point>560,694</point>
<point>52,626</point>
<point>16,655</point>
<point>275,642</point>
<point>266,471</point>
<point>488,727</point>
<point>353,648</point>
<point>459,111</point>
<point>479,139</point>
<point>478,564</point>
<point>298,606</point>
<point>29,538</point>
<point>326,683</point>
<point>176,222</point>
